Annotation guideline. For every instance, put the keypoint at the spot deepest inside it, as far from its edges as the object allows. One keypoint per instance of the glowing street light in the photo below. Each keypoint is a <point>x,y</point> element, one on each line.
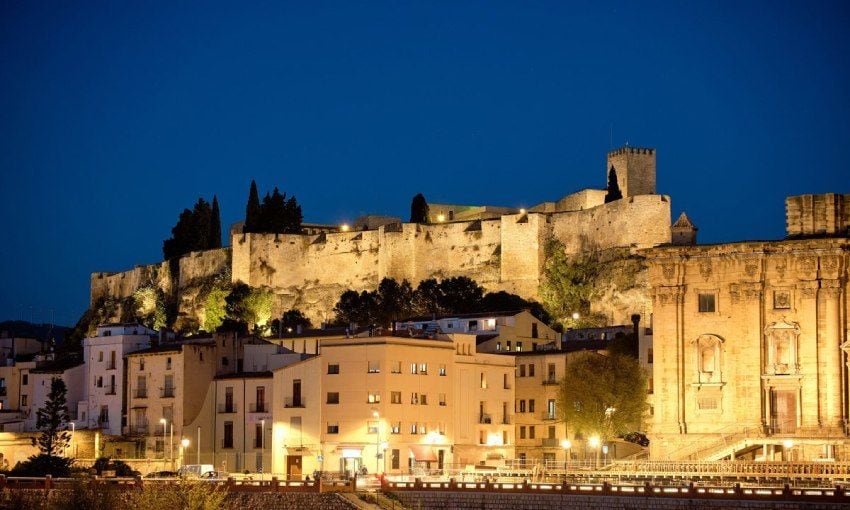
<point>441,218</point>
<point>344,227</point>
<point>566,444</point>
<point>594,442</point>
<point>576,316</point>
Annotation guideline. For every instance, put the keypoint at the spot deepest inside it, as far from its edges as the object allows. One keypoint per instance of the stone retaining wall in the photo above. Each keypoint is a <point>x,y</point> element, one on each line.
<point>427,500</point>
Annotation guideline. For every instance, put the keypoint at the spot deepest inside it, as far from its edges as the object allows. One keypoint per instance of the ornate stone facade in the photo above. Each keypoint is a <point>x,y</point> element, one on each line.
<point>750,344</point>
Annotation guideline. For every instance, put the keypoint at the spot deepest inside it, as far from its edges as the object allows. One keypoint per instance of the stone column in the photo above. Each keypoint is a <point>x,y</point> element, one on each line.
<point>829,355</point>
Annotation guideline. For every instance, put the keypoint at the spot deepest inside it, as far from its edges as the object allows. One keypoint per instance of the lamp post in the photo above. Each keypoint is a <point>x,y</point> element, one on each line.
<point>377,415</point>
<point>198,456</point>
<point>262,444</point>
<point>593,441</point>
<point>566,445</point>
<point>786,449</point>
<point>184,444</point>
<point>164,424</point>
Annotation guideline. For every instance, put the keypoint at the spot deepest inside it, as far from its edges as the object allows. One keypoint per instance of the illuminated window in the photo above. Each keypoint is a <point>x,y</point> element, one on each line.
<point>414,368</point>
<point>414,398</point>
<point>423,368</point>
<point>374,398</point>
<point>442,370</point>
<point>372,427</point>
<point>442,399</point>
<point>483,381</point>
<point>374,367</point>
<point>395,428</point>
<point>395,397</point>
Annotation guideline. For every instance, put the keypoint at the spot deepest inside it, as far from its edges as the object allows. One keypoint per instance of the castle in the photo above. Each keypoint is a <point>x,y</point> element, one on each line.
<point>499,247</point>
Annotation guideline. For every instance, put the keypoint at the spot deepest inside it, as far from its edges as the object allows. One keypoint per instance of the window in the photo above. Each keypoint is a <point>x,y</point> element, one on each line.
<point>372,427</point>
<point>423,399</point>
<point>396,456</point>
<point>414,398</point>
<point>533,330</point>
<point>550,372</point>
<point>258,435</point>
<point>483,381</point>
<point>442,370</point>
<point>100,356</point>
<point>509,346</point>
<point>550,409</point>
<point>396,367</point>
<point>522,406</point>
<point>522,370</point>
<point>333,368</point>
<point>531,370</point>
<point>423,368</point>
<point>442,399</point>
<point>333,428</point>
<point>706,302</point>
<point>518,346</point>
<point>374,367</point>
<point>227,441</point>
<point>414,368</point>
<point>481,437</point>
<point>505,437</point>
<point>522,432</point>
<point>99,383</point>
<point>531,431</point>
<point>473,326</point>
<point>24,402</point>
<point>224,361</point>
<point>551,432</point>
<point>781,299</point>
<point>25,379</point>
<point>413,428</point>
<point>531,406</point>
<point>505,382</point>
<point>374,398</point>
<point>395,427</point>
<point>168,363</point>
<point>498,346</point>
<point>111,364</point>
<point>260,406</point>
<point>333,397</point>
<point>649,355</point>
<point>395,397</point>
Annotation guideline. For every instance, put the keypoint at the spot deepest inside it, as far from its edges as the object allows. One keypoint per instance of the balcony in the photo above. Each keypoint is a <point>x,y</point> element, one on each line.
<point>110,366</point>
<point>485,419</point>
<point>166,393</point>
<point>140,393</point>
<point>548,416</point>
<point>259,407</point>
<point>110,390</point>
<point>551,442</point>
<point>227,408</point>
<point>506,420</point>
<point>551,381</point>
<point>294,402</point>
<point>139,429</point>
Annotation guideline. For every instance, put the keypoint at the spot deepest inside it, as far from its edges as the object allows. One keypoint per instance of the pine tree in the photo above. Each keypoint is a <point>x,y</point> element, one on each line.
<point>614,192</point>
<point>252,210</point>
<point>419,209</point>
<point>52,420</point>
<point>214,240</point>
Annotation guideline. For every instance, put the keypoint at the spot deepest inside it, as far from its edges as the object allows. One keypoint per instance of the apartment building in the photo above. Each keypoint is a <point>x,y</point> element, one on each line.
<point>508,331</point>
<point>165,390</point>
<point>392,404</point>
<point>104,404</point>
<point>70,369</point>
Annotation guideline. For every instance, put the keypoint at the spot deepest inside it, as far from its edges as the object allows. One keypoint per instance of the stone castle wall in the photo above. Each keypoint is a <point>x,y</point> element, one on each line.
<point>309,272</point>
<point>809,215</point>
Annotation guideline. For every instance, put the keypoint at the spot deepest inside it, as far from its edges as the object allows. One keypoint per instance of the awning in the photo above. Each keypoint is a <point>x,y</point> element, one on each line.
<point>423,453</point>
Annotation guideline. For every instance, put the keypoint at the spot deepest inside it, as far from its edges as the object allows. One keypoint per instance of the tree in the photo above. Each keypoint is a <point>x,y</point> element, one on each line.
<point>460,295</point>
<point>602,395</point>
<point>249,305</point>
<point>394,301</point>
<point>567,286</point>
<point>294,319</point>
<point>193,231</point>
<point>614,192</point>
<point>214,308</point>
<point>347,309</point>
<point>419,209</point>
<point>52,420</point>
<point>428,298</point>
<point>503,301</point>
<point>252,210</point>
<point>215,225</point>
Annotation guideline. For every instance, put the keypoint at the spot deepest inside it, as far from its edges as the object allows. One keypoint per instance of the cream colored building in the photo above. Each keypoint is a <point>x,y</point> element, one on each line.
<point>394,405</point>
<point>750,343</point>
<point>165,391</point>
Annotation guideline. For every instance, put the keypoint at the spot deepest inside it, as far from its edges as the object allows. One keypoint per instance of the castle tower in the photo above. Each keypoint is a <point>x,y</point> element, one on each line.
<point>683,232</point>
<point>635,168</point>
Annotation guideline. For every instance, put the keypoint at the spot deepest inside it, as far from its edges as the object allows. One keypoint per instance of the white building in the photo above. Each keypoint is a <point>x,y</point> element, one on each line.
<point>103,405</point>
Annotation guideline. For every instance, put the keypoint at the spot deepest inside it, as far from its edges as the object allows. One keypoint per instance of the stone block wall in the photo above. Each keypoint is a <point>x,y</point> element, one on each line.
<point>808,215</point>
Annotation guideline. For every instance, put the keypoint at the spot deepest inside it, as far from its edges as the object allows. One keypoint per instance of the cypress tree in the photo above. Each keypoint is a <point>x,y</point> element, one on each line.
<point>419,209</point>
<point>52,420</point>
<point>614,192</point>
<point>252,210</point>
<point>214,240</point>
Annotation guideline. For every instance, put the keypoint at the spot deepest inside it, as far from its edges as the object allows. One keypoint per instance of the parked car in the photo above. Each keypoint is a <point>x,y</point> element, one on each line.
<point>161,474</point>
<point>637,438</point>
<point>194,470</point>
<point>213,475</point>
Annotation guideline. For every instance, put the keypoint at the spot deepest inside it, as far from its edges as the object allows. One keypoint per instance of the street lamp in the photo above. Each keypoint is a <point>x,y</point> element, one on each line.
<point>262,444</point>
<point>184,444</point>
<point>566,445</point>
<point>377,415</point>
<point>164,424</point>
<point>786,451</point>
<point>576,316</point>
<point>593,441</point>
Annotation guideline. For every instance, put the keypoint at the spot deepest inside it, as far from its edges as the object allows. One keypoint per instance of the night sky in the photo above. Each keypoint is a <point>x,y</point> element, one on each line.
<point>114,116</point>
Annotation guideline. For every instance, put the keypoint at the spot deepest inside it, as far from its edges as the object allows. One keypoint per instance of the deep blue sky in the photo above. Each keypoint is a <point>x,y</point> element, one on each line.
<point>114,116</point>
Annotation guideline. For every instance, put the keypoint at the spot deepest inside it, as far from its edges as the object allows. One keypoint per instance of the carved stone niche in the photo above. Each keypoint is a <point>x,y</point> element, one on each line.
<point>781,341</point>
<point>708,352</point>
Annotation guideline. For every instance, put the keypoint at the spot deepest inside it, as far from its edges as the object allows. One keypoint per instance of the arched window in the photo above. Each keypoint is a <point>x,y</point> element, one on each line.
<point>707,353</point>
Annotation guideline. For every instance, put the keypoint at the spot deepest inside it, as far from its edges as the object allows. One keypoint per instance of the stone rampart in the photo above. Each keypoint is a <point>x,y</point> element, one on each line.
<point>309,272</point>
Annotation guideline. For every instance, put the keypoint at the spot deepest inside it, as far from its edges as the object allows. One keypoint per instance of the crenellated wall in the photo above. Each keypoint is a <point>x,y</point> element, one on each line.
<point>309,272</point>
